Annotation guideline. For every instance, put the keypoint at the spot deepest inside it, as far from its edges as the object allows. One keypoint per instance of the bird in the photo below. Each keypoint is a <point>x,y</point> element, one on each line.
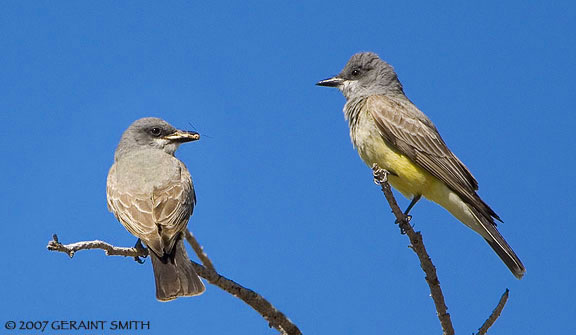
<point>151,193</point>
<point>388,130</point>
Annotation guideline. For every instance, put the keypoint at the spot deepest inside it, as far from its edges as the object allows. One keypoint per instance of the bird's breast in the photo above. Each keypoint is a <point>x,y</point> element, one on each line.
<point>406,176</point>
<point>145,171</point>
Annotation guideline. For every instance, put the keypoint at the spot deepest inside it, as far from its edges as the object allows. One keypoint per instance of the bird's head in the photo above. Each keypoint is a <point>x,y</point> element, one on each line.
<point>151,132</point>
<point>365,74</point>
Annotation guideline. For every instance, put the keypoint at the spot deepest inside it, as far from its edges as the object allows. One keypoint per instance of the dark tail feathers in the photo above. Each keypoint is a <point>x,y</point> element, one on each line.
<point>174,275</point>
<point>508,256</point>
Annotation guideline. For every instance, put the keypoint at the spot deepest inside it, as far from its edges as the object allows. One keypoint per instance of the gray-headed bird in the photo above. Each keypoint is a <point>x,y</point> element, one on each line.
<point>387,129</point>
<point>151,193</point>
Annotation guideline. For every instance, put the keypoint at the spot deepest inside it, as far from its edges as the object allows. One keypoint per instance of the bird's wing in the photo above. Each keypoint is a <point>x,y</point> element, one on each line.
<point>414,135</point>
<point>173,204</point>
<point>157,217</point>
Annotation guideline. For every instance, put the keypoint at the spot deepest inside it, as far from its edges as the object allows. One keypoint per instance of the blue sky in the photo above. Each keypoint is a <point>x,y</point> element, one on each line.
<point>285,205</point>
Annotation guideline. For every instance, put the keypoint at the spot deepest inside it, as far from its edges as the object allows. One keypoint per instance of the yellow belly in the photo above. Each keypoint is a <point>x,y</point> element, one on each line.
<point>406,177</point>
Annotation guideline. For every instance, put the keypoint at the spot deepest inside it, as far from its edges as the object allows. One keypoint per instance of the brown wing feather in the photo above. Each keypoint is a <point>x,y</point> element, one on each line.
<point>173,205</point>
<point>158,217</point>
<point>414,135</point>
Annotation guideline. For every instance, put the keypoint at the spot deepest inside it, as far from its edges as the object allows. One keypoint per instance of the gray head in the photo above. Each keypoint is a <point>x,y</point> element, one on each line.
<point>365,74</point>
<point>152,132</point>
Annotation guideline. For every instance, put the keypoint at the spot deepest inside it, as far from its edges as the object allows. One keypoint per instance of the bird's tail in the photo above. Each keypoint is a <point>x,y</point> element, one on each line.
<point>174,275</point>
<point>480,218</point>
<point>504,251</point>
<point>487,228</point>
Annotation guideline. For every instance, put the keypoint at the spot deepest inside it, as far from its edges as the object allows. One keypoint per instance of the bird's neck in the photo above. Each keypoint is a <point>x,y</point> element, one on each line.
<point>122,151</point>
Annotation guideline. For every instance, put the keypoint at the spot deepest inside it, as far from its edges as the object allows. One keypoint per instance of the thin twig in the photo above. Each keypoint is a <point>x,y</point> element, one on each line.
<point>274,317</point>
<point>381,177</point>
<point>199,250</point>
<point>495,314</point>
<point>250,297</point>
<point>111,250</point>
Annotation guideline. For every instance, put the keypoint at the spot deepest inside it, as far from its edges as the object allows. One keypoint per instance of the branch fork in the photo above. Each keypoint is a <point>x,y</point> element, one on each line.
<point>273,316</point>
<point>417,245</point>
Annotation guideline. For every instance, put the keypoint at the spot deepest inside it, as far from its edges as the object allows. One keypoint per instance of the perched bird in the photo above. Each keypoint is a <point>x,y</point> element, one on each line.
<point>151,193</point>
<point>387,129</point>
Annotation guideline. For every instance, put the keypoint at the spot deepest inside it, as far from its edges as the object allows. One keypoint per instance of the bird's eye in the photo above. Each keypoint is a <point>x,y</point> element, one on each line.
<point>155,131</point>
<point>355,72</point>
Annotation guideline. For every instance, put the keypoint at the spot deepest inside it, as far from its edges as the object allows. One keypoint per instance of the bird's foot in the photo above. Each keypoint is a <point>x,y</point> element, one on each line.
<point>380,175</point>
<point>140,247</point>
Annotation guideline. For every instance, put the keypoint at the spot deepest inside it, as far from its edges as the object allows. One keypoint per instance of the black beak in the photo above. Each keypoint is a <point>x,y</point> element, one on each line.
<point>182,136</point>
<point>331,82</point>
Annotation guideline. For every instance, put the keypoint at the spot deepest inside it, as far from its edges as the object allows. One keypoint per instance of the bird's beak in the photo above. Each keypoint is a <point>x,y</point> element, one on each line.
<point>182,136</point>
<point>331,82</point>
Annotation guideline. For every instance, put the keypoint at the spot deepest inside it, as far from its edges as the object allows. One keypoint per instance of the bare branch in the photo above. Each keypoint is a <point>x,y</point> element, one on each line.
<point>381,177</point>
<point>495,314</point>
<point>199,251</point>
<point>111,250</point>
<point>274,317</point>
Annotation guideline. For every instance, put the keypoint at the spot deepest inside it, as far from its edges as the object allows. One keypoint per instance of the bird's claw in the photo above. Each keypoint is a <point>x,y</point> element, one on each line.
<point>139,246</point>
<point>380,175</point>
